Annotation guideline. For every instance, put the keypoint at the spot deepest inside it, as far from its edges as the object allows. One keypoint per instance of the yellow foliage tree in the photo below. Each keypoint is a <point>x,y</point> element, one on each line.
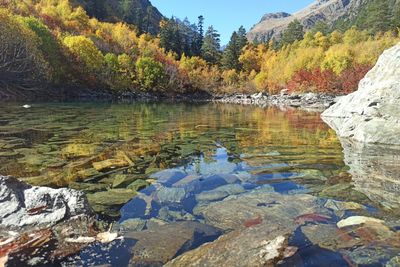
<point>85,51</point>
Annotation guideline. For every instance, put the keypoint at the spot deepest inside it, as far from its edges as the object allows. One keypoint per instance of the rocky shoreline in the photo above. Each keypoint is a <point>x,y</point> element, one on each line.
<point>305,101</point>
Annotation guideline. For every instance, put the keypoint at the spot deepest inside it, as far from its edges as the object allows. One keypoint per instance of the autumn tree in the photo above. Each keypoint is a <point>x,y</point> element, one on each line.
<point>48,45</point>
<point>119,71</point>
<point>85,52</point>
<point>150,74</point>
<point>22,65</point>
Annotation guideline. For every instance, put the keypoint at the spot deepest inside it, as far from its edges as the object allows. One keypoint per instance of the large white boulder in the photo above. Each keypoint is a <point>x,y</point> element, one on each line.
<point>371,114</point>
<point>24,205</point>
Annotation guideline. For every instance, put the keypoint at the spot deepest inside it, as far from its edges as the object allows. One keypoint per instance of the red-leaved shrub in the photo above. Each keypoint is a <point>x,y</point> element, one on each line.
<point>327,81</point>
<point>314,81</point>
<point>350,78</point>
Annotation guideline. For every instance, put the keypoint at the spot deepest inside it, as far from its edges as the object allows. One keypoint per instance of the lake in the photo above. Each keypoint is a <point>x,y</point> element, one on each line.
<point>160,170</point>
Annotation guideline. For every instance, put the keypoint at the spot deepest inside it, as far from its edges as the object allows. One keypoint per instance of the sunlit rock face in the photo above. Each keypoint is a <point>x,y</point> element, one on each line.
<point>375,171</point>
<point>371,114</point>
<point>272,25</point>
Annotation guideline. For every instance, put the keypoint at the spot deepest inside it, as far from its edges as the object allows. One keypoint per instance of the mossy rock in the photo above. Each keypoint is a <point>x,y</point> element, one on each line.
<point>138,185</point>
<point>344,192</point>
<point>109,202</point>
<point>109,164</point>
<point>88,187</point>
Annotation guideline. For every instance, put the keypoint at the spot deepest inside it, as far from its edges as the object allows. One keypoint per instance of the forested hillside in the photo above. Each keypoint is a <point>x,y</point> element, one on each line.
<point>374,16</point>
<point>48,45</point>
<point>140,13</point>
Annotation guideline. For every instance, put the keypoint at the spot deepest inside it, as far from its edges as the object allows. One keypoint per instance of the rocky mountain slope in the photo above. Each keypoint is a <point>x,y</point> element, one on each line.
<point>140,13</point>
<point>272,25</point>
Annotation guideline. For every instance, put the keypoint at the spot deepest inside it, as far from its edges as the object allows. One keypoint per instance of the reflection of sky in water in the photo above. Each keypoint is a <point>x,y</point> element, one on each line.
<point>235,147</point>
<point>207,176</point>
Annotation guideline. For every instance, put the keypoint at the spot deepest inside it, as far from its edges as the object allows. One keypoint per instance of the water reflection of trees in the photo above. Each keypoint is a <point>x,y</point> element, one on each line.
<point>157,136</point>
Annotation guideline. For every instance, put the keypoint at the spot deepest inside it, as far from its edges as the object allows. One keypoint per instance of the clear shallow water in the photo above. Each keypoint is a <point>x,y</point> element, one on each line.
<point>186,153</point>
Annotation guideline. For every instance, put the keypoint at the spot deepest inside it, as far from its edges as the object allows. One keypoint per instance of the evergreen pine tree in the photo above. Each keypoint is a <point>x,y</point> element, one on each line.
<point>294,32</point>
<point>242,37</point>
<point>230,59</point>
<point>199,37</point>
<point>210,49</point>
<point>379,17</point>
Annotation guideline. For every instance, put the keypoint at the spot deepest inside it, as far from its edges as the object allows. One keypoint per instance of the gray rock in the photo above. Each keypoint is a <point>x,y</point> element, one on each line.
<point>160,244</point>
<point>326,236</point>
<point>187,180</point>
<point>394,262</point>
<point>109,202</point>
<point>24,205</point>
<point>284,92</point>
<point>171,195</point>
<point>154,223</point>
<point>165,214</point>
<point>309,102</point>
<point>122,180</point>
<point>138,185</point>
<point>132,225</point>
<point>168,176</point>
<point>262,245</point>
<point>342,206</point>
<point>211,196</point>
<point>366,241</point>
<point>371,114</point>
<point>261,205</point>
<point>220,192</point>
<point>370,256</point>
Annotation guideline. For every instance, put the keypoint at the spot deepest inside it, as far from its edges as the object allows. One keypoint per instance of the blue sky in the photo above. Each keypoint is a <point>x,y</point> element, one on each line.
<point>227,15</point>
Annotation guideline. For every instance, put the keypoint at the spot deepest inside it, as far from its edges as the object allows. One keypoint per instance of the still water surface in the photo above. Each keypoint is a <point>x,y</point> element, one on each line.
<point>147,165</point>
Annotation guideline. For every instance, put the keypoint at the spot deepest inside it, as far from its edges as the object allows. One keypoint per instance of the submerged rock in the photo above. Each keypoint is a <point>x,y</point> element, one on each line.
<point>220,192</point>
<point>259,206</point>
<point>357,220</point>
<point>133,225</point>
<point>168,176</point>
<point>138,185</point>
<point>262,245</point>
<point>361,240</point>
<point>109,202</point>
<point>109,164</point>
<point>166,214</point>
<point>160,244</point>
<point>328,236</point>
<point>394,262</point>
<point>24,205</point>
<point>171,195</point>
<point>342,206</point>
<point>372,113</point>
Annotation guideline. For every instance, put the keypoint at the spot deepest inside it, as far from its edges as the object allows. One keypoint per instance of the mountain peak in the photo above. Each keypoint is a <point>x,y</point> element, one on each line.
<point>277,15</point>
<point>273,24</point>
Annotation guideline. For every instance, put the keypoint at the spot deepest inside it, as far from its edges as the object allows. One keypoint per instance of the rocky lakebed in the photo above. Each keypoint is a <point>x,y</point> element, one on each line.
<point>204,184</point>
